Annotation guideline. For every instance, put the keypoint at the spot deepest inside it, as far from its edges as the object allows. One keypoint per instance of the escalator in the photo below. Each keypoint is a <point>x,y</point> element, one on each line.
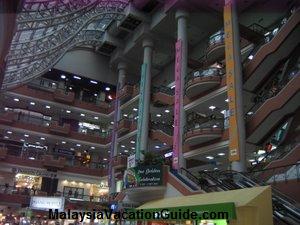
<point>162,96</point>
<point>285,209</point>
<point>276,46</point>
<point>162,132</point>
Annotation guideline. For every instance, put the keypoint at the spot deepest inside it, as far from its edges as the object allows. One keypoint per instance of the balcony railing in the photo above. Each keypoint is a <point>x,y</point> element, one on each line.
<point>163,89</point>
<point>165,128</point>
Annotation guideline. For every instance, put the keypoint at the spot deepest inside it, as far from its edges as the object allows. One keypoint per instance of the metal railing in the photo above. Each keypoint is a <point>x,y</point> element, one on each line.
<point>210,72</point>
<point>163,89</point>
<point>165,128</point>
<point>208,124</point>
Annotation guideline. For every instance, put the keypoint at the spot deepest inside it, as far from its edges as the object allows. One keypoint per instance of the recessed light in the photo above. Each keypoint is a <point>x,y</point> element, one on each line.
<point>209,157</point>
<point>212,107</point>
<point>215,126</point>
<point>226,100</point>
<point>5,108</point>
<point>96,117</point>
<point>26,135</point>
<point>63,76</point>
<point>132,142</point>
<point>70,88</point>
<point>251,160</point>
<point>135,109</point>
<point>109,97</point>
<point>68,111</point>
<point>6,137</point>
<point>78,145</point>
<point>223,112</point>
<point>22,140</point>
<point>38,143</point>
<point>132,148</point>
<point>77,78</point>
<point>42,138</point>
<point>31,158</point>
<point>72,149</point>
<point>104,159</point>
<point>173,86</point>
<point>165,143</point>
<point>122,146</point>
<point>250,113</point>
<point>32,103</point>
<point>250,57</point>
<point>95,94</point>
<point>216,168</point>
<point>92,147</point>
<point>112,122</point>
<point>16,99</point>
<point>158,115</point>
<point>125,115</point>
<point>63,142</point>
<point>221,154</point>
<point>53,84</point>
<point>49,70</point>
<point>157,146</point>
<point>107,88</point>
<point>167,111</point>
<point>260,152</point>
<point>82,114</point>
<point>48,106</point>
<point>93,82</point>
<point>126,150</point>
<point>9,132</point>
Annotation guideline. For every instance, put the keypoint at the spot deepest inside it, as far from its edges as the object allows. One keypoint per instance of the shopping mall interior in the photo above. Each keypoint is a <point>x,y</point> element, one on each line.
<point>150,104</point>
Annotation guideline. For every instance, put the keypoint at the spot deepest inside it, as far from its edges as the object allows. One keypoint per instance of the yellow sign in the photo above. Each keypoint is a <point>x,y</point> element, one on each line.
<point>234,145</point>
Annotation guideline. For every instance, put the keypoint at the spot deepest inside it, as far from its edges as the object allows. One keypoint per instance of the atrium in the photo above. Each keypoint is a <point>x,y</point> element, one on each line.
<point>128,105</point>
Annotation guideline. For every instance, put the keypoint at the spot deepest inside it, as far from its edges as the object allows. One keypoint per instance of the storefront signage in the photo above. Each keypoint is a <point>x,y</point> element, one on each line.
<point>143,176</point>
<point>177,105</point>
<point>46,203</point>
<point>131,161</point>
<point>141,113</point>
<point>234,145</point>
<point>40,173</point>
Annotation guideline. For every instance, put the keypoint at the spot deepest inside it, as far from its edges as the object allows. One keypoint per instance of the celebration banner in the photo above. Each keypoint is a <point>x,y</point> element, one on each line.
<point>141,113</point>
<point>177,105</point>
<point>234,145</point>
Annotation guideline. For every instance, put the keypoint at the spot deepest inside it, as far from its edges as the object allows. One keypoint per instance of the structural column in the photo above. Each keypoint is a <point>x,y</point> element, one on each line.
<point>181,61</point>
<point>144,100</point>
<point>117,115</point>
<point>234,76</point>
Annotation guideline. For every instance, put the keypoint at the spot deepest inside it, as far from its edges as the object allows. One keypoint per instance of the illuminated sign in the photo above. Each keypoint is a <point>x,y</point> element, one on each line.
<point>46,203</point>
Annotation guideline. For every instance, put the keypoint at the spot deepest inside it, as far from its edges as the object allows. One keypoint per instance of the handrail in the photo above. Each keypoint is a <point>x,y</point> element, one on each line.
<point>163,89</point>
<point>210,123</point>
<point>166,128</point>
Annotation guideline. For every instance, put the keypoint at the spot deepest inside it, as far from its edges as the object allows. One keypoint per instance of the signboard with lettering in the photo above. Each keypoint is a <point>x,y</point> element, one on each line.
<point>177,105</point>
<point>46,203</point>
<point>234,145</point>
<point>143,176</point>
<point>131,161</point>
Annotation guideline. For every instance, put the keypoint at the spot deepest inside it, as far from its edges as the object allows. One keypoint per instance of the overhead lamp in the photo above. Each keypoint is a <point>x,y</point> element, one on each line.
<point>132,148</point>
<point>22,140</point>
<point>158,115</point>
<point>63,142</point>
<point>63,76</point>
<point>249,113</point>
<point>250,57</point>
<point>26,135</point>
<point>215,126</point>
<point>77,77</point>
<point>70,88</point>
<point>16,99</point>
<point>167,111</point>
<point>82,114</point>
<point>157,146</point>
<point>251,160</point>
<point>173,86</point>
<point>31,158</point>
<point>223,112</point>
<point>38,143</point>
<point>96,117</point>
<point>135,109</point>
<point>260,152</point>
<point>125,115</point>
<point>32,103</point>
<point>68,111</point>
<point>53,83</point>
<point>226,100</point>
<point>42,138</point>
<point>109,97</point>
<point>5,109</point>
<point>92,147</point>
<point>216,168</point>
<point>104,159</point>
<point>209,157</point>
<point>48,106</point>
<point>221,154</point>
<point>107,88</point>
<point>132,142</point>
<point>112,122</point>
<point>125,150</point>
<point>9,132</point>
<point>122,146</point>
<point>78,145</point>
<point>93,82</point>
<point>6,137</point>
<point>165,144</point>
<point>212,107</point>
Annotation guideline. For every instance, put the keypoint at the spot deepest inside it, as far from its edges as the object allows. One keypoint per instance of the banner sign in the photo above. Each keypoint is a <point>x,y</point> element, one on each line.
<point>177,105</point>
<point>141,113</point>
<point>234,145</point>
<point>131,161</point>
<point>46,203</point>
<point>143,176</point>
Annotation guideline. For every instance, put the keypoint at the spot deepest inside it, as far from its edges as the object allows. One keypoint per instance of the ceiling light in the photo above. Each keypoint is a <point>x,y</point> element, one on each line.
<point>93,82</point>
<point>32,103</point>
<point>82,114</point>
<point>209,157</point>
<point>31,158</point>
<point>68,111</point>
<point>77,78</point>
<point>223,112</point>
<point>70,88</point>
<point>260,152</point>
<point>107,88</point>
<point>126,150</point>
<point>251,160</point>
<point>26,135</point>
<point>96,117</point>
<point>157,146</point>
<point>63,142</point>
<point>104,159</point>
<point>135,109</point>
<point>165,143</point>
<point>42,138</point>
<point>215,126</point>
<point>16,99</point>
<point>49,70</point>
<point>226,100</point>
<point>6,137</point>
<point>48,107</point>
<point>22,140</point>
<point>132,148</point>
<point>92,147</point>
<point>112,122</point>
<point>38,143</point>
<point>212,107</point>
<point>63,76</point>
<point>109,97</point>
<point>158,115</point>
<point>167,111</point>
<point>250,113</point>
<point>5,109</point>
<point>216,168</point>
<point>173,86</point>
<point>53,84</point>
<point>125,115</point>
<point>95,94</point>
<point>9,132</point>
<point>72,149</point>
<point>132,142</point>
<point>221,154</point>
<point>122,146</point>
<point>78,145</point>
<point>250,57</point>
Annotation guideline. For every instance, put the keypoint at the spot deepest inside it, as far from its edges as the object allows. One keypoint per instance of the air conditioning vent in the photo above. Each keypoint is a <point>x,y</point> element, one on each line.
<point>130,23</point>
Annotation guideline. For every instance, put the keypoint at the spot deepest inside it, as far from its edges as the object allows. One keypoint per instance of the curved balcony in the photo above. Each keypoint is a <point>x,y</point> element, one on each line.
<point>51,163</point>
<point>216,47</point>
<point>55,128</point>
<point>64,97</point>
<point>125,92</point>
<point>126,125</point>
<point>201,81</point>
<point>163,96</point>
<point>273,109</point>
<point>119,162</point>
<point>162,132</point>
<point>203,133</point>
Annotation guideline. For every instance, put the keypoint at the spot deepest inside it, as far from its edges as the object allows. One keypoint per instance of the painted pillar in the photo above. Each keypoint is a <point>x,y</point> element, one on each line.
<point>144,100</point>
<point>234,78</point>
<point>114,139</point>
<point>181,61</point>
